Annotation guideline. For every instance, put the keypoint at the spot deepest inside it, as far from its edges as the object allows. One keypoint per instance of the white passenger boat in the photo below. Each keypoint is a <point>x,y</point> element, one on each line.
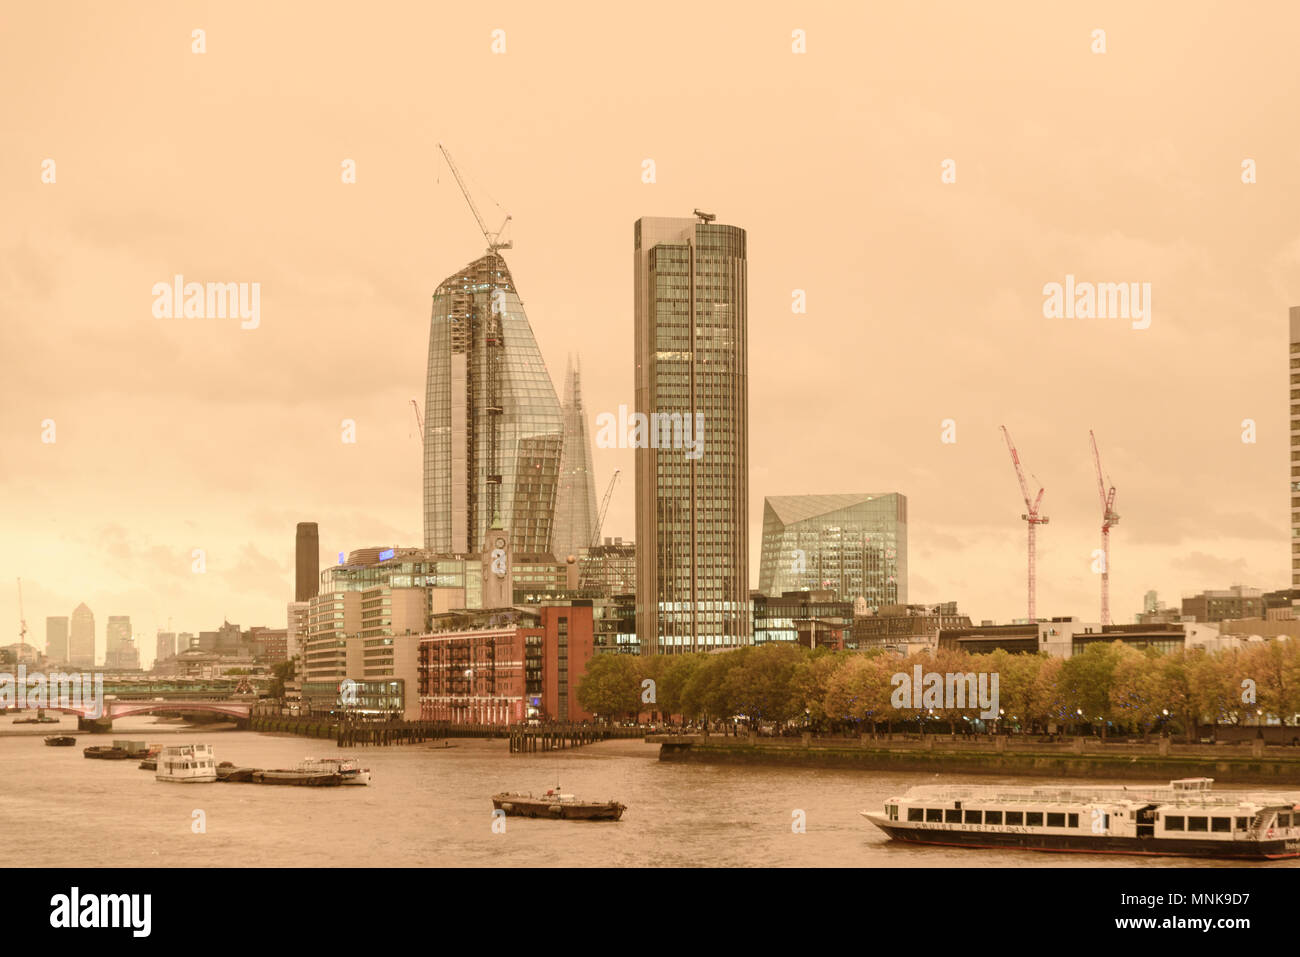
<point>346,768</point>
<point>1185,819</point>
<point>187,764</point>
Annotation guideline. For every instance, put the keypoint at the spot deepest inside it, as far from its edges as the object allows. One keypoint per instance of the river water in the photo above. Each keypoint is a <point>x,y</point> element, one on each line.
<point>430,806</point>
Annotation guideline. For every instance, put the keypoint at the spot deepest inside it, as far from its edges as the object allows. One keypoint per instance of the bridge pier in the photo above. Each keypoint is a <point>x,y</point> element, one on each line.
<point>102,725</point>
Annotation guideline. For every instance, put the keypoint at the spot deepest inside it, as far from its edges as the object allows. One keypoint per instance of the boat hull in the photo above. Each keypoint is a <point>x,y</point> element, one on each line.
<point>64,741</point>
<point>108,754</point>
<point>296,779</point>
<point>1060,843</point>
<point>514,806</point>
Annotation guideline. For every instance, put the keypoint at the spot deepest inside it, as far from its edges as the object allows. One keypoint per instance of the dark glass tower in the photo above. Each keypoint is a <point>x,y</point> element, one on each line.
<point>307,559</point>
<point>692,509</point>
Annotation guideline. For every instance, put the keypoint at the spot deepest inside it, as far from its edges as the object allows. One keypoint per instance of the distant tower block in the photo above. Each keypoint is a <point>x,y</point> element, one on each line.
<point>307,581</point>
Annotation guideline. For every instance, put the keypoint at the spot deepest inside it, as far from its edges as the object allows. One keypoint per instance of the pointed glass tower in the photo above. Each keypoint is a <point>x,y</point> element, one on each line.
<point>493,428</point>
<point>575,503</point>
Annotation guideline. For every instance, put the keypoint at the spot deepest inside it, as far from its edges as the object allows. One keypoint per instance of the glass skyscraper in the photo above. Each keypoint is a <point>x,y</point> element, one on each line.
<point>575,502</point>
<point>691,503</point>
<point>493,428</point>
<point>852,545</point>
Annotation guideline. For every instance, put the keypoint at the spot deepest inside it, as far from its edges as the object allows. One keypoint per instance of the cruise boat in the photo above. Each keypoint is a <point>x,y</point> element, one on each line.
<point>187,764</point>
<point>346,768</point>
<point>1185,819</point>
<point>557,806</point>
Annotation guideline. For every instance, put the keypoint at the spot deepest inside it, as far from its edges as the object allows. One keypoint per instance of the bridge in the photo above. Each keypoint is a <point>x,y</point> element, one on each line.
<point>239,711</point>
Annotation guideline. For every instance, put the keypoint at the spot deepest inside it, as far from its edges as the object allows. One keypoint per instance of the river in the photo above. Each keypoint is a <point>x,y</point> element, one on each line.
<point>429,806</point>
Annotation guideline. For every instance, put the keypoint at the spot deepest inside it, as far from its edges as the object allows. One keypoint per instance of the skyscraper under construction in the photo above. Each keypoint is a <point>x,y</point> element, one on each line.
<point>493,428</point>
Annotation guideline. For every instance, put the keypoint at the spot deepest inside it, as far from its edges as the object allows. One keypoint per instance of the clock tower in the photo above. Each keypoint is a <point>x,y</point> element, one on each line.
<point>498,568</point>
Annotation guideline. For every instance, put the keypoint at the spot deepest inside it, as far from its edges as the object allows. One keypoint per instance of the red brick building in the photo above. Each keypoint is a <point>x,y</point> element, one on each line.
<point>506,665</point>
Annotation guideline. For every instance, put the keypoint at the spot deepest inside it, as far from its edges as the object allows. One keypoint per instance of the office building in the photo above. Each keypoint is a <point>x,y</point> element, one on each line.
<point>852,545</point>
<point>690,432</point>
<point>81,640</point>
<point>493,427</point>
<point>56,639</point>
<point>165,646</point>
<point>575,501</point>
<point>1217,605</point>
<point>306,561</point>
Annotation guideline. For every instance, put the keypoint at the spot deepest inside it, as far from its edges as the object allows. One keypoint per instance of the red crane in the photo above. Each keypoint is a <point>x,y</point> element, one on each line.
<point>1109,517</point>
<point>1031,516</point>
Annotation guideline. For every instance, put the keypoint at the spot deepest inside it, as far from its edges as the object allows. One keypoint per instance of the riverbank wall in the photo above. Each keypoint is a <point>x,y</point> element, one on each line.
<point>1154,761</point>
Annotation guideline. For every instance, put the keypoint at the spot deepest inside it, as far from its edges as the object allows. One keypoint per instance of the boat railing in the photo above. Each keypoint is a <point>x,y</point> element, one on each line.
<point>1164,795</point>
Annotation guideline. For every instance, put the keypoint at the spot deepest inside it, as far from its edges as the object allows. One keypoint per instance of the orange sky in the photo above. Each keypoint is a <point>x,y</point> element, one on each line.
<point>924,299</point>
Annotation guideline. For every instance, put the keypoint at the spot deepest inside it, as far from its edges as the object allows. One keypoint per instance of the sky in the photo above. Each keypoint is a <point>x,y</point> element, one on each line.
<point>924,297</point>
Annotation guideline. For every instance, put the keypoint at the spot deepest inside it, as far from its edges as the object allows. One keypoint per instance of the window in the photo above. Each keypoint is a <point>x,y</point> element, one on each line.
<point>951,817</point>
<point>1221,824</point>
<point>1284,819</point>
<point>1056,820</point>
<point>974,817</point>
<point>1243,824</point>
<point>933,814</point>
<point>992,817</point>
<point>1198,824</point>
<point>1174,822</point>
<point>1015,818</point>
<point>1034,818</point>
<point>1074,820</point>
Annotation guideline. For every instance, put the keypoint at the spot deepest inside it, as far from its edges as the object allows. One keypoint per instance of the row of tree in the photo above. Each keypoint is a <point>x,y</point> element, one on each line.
<point>1111,685</point>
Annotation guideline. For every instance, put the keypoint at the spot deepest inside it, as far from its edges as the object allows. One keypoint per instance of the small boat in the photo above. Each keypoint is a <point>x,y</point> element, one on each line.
<point>60,740</point>
<point>230,774</point>
<point>41,718</point>
<point>557,806</point>
<point>107,754</point>
<point>346,768</point>
<point>1185,819</point>
<point>149,764</point>
<point>309,779</point>
<point>187,764</point>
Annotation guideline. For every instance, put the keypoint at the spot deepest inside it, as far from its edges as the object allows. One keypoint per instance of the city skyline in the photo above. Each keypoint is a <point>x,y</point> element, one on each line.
<point>172,458</point>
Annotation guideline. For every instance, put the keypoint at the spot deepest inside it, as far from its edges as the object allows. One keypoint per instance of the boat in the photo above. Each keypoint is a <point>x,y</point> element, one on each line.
<point>106,753</point>
<point>226,771</point>
<point>310,779</point>
<point>60,740</point>
<point>346,768</point>
<point>1186,819</point>
<point>187,764</point>
<point>149,764</point>
<point>557,806</point>
<point>41,718</point>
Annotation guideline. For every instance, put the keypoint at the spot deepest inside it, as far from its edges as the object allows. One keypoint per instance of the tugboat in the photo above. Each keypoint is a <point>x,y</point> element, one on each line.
<point>557,806</point>
<point>1185,819</point>
<point>346,768</point>
<point>60,740</point>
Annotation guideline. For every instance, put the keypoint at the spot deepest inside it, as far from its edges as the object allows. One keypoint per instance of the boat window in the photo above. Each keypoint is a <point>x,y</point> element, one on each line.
<point>1034,818</point>
<point>1016,818</point>
<point>992,817</point>
<point>1074,820</point>
<point>1198,824</point>
<point>1243,824</point>
<point>1173,822</point>
<point>1221,824</point>
<point>1056,820</point>
<point>915,814</point>
<point>974,817</point>
<point>933,814</point>
<point>952,817</point>
<point>1284,819</point>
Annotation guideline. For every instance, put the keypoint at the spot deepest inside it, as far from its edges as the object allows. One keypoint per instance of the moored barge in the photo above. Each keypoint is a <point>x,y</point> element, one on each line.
<point>1185,819</point>
<point>557,806</point>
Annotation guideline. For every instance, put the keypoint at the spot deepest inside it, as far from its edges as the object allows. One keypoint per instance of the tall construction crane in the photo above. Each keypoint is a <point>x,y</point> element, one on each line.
<point>604,507</point>
<point>22,617</point>
<point>1109,517</point>
<point>418,421</point>
<point>493,239</point>
<point>1031,516</point>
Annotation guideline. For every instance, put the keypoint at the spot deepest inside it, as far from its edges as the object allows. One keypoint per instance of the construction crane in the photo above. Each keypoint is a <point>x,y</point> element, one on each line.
<point>1032,517</point>
<point>604,507</point>
<point>418,421</point>
<point>1109,517</point>
<point>22,618</point>
<point>493,239</point>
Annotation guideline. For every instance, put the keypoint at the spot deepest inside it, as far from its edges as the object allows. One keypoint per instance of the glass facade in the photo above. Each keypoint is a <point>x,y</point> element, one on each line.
<point>493,427</point>
<point>575,501</point>
<point>692,503</point>
<point>851,545</point>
